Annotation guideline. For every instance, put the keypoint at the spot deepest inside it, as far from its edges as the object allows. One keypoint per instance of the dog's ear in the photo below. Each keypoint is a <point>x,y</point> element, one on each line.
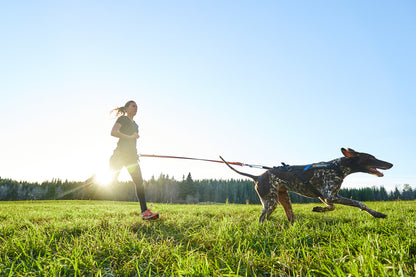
<point>349,152</point>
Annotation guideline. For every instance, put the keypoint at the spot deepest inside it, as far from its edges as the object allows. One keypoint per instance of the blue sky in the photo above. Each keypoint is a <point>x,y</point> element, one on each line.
<point>259,82</point>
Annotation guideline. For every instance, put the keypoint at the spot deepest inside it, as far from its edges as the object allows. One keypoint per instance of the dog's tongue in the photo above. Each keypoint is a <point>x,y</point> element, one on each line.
<point>376,172</point>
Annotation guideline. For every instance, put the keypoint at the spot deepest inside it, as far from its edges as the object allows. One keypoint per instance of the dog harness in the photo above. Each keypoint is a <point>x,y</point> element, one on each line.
<point>299,170</point>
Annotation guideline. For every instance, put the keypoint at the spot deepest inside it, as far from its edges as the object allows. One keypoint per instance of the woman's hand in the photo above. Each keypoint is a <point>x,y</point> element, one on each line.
<point>135,136</point>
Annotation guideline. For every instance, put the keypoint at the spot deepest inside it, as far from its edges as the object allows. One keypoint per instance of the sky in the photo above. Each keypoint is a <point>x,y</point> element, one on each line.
<point>259,82</point>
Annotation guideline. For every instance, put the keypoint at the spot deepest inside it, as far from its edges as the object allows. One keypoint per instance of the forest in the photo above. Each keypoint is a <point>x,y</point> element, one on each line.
<point>168,190</point>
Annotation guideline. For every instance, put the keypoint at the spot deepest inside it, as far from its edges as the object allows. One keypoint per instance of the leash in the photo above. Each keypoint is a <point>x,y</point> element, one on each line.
<point>284,166</point>
<point>204,160</point>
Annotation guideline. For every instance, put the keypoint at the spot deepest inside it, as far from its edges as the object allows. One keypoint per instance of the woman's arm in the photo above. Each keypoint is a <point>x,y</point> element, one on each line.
<point>115,132</point>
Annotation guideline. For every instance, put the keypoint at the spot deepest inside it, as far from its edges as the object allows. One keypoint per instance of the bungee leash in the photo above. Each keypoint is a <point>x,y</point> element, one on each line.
<point>204,160</point>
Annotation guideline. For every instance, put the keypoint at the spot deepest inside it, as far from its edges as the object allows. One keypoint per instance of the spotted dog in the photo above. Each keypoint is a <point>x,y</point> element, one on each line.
<point>320,180</point>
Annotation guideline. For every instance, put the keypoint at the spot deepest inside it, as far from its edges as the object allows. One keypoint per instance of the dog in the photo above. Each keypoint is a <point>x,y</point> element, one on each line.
<point>320,180</point>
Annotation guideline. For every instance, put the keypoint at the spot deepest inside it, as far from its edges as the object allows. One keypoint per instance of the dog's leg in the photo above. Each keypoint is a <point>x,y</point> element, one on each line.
<point>263,215</point>
<point>264,212</point>
<point>284,200</point>
<point>269,206</point>
<point>329,207</point>
<point>349,202</point>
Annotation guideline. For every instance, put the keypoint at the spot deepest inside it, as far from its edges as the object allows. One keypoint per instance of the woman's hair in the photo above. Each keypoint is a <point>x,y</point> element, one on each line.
<point>121,110</point>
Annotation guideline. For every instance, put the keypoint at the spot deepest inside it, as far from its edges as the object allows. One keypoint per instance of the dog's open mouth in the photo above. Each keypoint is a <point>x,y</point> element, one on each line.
<point>374,171</point>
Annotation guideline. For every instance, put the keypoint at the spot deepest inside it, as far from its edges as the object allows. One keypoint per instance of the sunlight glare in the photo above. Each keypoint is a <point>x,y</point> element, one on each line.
<point>104,178</point>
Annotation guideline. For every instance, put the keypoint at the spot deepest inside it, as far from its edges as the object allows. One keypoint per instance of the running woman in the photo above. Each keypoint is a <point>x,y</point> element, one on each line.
<point>125,154</point>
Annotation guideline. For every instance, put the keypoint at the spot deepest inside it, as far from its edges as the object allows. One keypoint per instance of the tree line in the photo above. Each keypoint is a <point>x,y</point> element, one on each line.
<point>165,189</point>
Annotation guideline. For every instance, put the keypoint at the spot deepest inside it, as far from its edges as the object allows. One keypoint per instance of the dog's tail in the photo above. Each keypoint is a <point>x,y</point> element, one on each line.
<point>255,178</point>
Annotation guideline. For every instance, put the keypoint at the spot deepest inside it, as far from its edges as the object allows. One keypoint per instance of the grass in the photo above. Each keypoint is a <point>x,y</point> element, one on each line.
<point>101,238</point>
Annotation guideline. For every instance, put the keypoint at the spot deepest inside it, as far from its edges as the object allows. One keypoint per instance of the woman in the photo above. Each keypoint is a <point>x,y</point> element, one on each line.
<point>126,152</point>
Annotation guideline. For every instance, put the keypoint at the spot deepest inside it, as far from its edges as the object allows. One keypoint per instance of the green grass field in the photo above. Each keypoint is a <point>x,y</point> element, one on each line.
<point>100,238</point>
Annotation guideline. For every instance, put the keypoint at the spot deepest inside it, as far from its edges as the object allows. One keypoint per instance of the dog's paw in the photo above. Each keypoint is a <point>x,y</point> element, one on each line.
<point>318,209</point>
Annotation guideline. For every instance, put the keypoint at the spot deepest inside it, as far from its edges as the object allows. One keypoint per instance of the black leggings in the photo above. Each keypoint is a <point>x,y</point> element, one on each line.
<point>117,161</point>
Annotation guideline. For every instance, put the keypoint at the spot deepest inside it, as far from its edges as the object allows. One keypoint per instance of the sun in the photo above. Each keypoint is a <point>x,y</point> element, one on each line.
<point>104,178</point>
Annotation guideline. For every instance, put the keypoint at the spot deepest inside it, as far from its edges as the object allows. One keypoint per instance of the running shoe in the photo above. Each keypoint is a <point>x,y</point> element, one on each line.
<point>148,215</point>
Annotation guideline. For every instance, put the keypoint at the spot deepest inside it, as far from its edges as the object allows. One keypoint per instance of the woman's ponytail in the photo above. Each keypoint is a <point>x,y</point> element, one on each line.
<point>121,110</point>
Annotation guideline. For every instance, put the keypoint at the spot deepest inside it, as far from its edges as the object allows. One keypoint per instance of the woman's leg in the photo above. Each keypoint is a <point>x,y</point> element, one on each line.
<point>136,175</point>
<point>116,164</point>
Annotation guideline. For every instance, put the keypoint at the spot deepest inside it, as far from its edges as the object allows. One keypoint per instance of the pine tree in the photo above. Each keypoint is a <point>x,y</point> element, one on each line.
<point>187,188</point>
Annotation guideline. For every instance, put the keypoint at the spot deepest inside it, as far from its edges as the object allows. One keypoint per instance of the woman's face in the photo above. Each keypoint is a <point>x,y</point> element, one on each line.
<point>132,109</point>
